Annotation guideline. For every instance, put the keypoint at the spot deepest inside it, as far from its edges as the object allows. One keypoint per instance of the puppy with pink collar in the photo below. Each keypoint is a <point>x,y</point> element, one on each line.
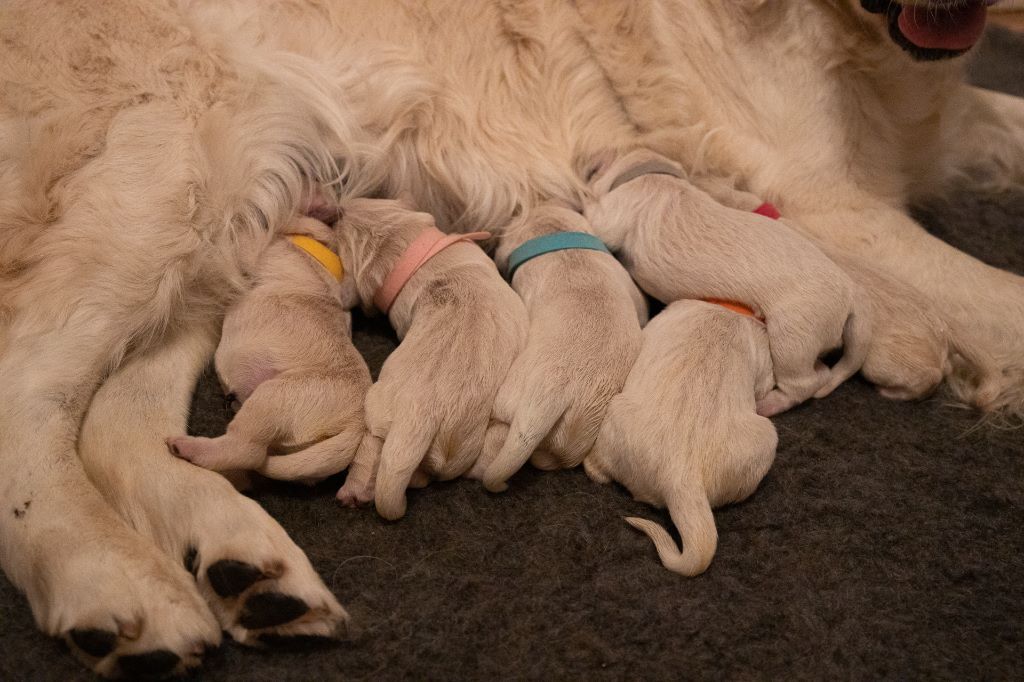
<point>460,326</point>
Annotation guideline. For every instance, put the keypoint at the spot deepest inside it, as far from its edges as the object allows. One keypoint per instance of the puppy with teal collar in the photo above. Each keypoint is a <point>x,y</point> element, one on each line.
<point>584,334</point>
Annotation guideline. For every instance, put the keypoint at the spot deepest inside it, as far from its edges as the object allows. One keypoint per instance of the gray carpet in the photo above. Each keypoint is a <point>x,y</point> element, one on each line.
<point>886,542</point>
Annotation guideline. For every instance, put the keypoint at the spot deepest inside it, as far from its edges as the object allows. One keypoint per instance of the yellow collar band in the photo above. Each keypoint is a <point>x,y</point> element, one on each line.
<point>320,253</point>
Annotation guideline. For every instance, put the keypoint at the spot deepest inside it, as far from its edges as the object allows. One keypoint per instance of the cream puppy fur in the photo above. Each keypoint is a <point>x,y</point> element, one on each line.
<point>149,149</point>
<point>585,318</point>
<point>912,348</point>
<point>684,433</point>
<point>461,327</point>
<point>286,356</point>
<point>678,242</point>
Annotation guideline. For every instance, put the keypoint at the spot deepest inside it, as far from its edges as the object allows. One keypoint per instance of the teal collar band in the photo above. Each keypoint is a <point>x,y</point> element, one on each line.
<point>559,241</point>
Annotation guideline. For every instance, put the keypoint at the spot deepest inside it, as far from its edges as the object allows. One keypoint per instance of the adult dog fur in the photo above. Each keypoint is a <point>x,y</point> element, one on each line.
<point>149,151</point>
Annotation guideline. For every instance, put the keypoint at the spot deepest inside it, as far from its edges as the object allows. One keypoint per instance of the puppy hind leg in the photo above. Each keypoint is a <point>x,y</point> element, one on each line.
<point>404,448</point>
<point>224,453</point>
<point>360,481</point>
<point>494,439</point>
<point>316,462</point>
<point>856,344</point>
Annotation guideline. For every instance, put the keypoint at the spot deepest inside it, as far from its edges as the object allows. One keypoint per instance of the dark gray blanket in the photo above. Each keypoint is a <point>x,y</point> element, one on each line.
<point>887,542</point>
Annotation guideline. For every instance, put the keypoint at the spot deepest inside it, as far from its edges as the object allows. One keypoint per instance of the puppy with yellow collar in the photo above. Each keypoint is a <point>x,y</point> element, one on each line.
<point>287,363</point>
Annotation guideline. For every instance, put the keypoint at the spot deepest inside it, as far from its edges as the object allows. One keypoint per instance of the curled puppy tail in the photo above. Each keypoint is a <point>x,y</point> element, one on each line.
<point>856,344</point>
<point>691,513</point>
<point>316,462</point>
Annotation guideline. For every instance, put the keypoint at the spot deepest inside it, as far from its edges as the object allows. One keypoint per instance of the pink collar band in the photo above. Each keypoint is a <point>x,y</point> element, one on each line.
<point>428,244</point>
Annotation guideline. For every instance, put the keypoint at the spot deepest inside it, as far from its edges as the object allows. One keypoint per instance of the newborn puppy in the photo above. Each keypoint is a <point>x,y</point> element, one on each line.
<point>287,361</point>
<point>585,318</point>
<point>911,349</point>
<point>678,242</point>
<point>684,432</point>
<point>461,328</point>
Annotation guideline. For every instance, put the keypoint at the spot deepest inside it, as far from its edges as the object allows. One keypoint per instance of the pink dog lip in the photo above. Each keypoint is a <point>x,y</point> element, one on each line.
<point>955,28</point>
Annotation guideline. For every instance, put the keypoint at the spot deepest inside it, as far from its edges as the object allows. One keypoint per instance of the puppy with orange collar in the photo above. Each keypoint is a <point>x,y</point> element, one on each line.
<point>679,243</point>
<point>585,319</point>
<point>912,348</point>
<point>287,362</point>
<point>460,326</point>
<point>684,433</point>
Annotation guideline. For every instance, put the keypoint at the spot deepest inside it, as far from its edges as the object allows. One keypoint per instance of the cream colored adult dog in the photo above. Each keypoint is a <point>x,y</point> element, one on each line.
<point>678,242</point>
<point>150,150</point>
<point>696,441</point>
<point>461,327</point>
<point>286,356</point>
<point>585,317</point>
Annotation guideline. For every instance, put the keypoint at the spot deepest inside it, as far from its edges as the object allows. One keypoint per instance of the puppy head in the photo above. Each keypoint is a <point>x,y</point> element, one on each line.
<point>371,235</point>
<point>930,30</point>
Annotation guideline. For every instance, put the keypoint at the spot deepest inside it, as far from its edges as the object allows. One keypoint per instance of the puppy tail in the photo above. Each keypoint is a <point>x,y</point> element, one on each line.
<point>856,344</point>
<point>316,462</point>
<point>529,427</point>
<point>691,513</point>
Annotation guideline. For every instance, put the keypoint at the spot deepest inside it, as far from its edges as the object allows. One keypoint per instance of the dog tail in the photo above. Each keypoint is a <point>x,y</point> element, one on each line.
<point>856,344</point>
<point>691,513</point>
<point>316,462</point>
<point>528,429</point>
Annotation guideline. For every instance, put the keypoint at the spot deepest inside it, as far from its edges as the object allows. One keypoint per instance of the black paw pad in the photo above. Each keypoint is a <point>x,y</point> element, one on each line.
<point>269,609</point>
<point>229,578</point>
<point>95,642</point>
<point>153,663</point>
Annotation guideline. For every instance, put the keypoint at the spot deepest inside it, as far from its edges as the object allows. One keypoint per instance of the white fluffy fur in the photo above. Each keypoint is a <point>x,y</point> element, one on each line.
<point>585,318</point>
<point>711,365</point>
<point>678,242</point>
<point>150,150</point>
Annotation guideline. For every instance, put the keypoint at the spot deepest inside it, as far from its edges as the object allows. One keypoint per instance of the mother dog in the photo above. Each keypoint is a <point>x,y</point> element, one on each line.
<point>148,151</point>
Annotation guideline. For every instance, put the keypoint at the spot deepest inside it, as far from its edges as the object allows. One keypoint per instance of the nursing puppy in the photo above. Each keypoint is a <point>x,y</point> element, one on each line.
<point>684,433</point>
<point>585,318</point>
<point>678,242</point>
<point>287,361</point>
<point>461,327</point>
<point>912,349</point>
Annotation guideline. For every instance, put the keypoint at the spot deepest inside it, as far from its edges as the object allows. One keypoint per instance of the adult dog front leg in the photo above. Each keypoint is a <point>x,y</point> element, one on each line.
<point>124,608</point>
<point>985,304</point>
<point>256,580</point>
